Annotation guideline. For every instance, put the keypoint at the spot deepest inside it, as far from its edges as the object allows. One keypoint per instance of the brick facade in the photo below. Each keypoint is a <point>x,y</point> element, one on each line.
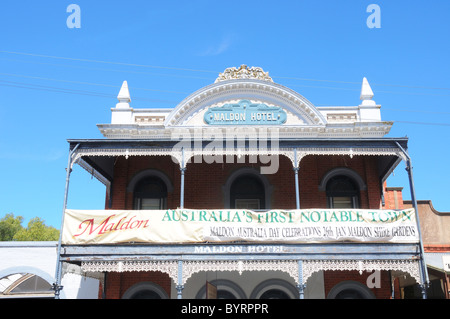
<point>203,182</point>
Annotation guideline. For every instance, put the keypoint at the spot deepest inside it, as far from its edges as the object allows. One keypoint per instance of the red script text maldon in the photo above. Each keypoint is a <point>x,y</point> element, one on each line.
<point>108,225</point>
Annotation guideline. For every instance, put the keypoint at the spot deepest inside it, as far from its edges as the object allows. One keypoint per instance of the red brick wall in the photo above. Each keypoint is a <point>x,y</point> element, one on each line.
<point>313,168</point>
<point>203,182</point>
<point>393,198</point>
<point>332,278</point>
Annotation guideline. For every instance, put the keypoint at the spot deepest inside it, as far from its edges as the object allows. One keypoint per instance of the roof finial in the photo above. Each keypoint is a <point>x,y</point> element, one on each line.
<point>366,93</point>
<point>124,96</point>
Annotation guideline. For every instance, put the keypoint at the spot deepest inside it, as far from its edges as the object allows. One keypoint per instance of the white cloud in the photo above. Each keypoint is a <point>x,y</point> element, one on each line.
<point>218,48</point>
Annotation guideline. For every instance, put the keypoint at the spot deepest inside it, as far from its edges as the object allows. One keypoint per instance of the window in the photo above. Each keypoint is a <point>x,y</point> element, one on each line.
<point>145,290</point>
<point>146,294</point>
<point>25,285</point>
<point>274,294</point>
<point>247,192</point>
<point>246,188</point>
<point>350,290</point>
<point>150,193</point>
<point>247,204</point>
<point>343,187</point>
<point>342,192</point>
<point>274,289</point>
<point>226,289</point>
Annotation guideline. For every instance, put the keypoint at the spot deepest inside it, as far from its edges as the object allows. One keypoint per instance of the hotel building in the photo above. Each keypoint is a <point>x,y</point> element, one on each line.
<point>244,190</point>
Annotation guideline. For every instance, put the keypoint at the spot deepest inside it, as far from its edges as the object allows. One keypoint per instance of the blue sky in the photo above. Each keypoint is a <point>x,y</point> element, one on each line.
<point>57,83</point>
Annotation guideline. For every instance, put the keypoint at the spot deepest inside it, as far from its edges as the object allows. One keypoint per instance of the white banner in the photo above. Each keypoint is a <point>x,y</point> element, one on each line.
<point>275,226</point>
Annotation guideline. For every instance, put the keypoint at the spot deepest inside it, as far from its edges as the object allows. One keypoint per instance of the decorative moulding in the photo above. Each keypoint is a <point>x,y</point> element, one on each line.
<point>243,72</point>
<point>291,267</point>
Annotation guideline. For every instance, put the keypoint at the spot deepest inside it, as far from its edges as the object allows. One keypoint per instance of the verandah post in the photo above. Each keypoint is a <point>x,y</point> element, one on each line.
<point>423,266</point>
<point>180,285</point>
<point>296,169</point>
<point>182,169</point>
<point>301,285</point>
<point>57,285</point>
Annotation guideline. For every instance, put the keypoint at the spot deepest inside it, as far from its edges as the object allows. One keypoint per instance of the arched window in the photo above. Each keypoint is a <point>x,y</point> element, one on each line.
<point>342,186</point>
<point>274,294</point>
<point>25,285</point>
<point>342,192</point>
<point>150,193</point>
<point>246,188</point>
<point>226,289</point>
<point>145,290</point>
<point>274,289</point>
<point>247,192</point>
<point>350,290</point>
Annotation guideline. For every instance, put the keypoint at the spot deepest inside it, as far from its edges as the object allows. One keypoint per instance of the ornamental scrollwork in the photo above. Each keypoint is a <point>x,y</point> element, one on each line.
<point>243,72</point>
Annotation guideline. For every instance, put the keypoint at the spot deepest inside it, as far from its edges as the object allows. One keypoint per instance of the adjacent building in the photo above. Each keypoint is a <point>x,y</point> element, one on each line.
<point>27,270</point>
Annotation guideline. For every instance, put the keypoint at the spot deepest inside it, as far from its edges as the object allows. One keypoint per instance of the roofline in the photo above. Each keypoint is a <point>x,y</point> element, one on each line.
<point>325,139</point>
<point>427,202</point>
<point>281,143</point>
<point>343,144</point>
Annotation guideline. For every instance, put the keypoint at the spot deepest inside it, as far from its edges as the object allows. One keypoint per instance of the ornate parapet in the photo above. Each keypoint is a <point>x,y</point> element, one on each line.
<point>243,72</point>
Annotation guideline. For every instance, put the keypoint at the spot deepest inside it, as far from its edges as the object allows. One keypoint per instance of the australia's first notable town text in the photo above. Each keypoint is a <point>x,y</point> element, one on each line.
<point>198,226</point>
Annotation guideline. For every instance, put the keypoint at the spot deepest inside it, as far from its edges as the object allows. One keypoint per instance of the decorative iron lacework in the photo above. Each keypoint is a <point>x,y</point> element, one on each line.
<point>408,266</point>
<point>189,153</point>
<point>168,267</point>
<point>289,266</point>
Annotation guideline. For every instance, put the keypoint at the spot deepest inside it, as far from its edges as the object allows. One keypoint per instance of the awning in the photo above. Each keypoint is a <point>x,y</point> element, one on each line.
<point>438,261</point>
<point>98,156</point>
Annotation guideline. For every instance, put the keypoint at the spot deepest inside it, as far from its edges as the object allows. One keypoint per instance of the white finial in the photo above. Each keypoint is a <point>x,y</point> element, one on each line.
<point>124,96</point>
<point>366,90</point>
<point>366,93</point>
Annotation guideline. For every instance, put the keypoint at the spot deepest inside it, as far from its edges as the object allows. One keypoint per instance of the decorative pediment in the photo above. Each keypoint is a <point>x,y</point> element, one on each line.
<point>256,91</point>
